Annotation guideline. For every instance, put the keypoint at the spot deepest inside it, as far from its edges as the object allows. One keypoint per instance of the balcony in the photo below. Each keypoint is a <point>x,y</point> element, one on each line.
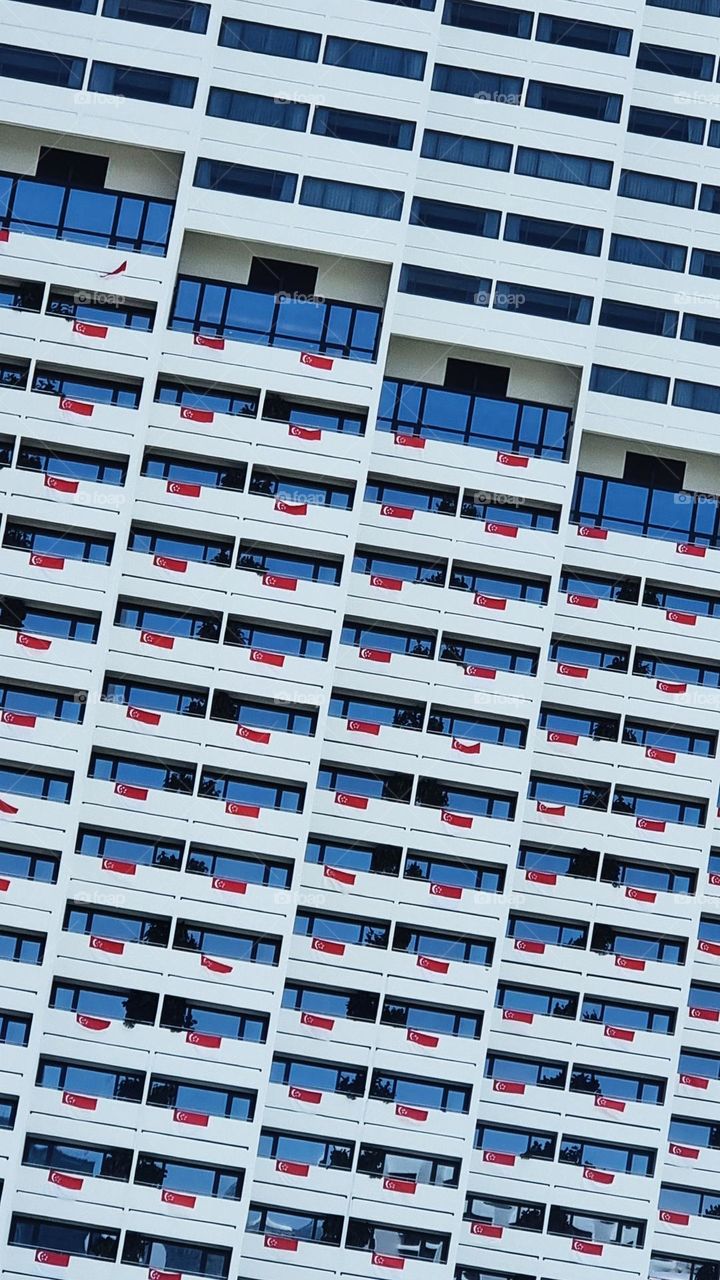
<point>516,429</point>
<point>603,506</point>
<point>325,327</point>
<point>106,219</point>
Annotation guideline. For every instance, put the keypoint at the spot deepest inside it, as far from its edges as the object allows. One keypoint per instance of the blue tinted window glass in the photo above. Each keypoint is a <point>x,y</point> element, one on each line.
<point>276,42</point>
<point>256,108</point>
<point>559,167</point>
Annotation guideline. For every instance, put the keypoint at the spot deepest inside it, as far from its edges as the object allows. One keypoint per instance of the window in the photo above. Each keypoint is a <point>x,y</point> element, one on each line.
<point>181,15</point>
<point>583,795</point>
<point>133,850</point>
<point>138,82</point>
<point>231,945</point>
<point>545,233</point>
<point>668,125</point>
<point>70,1157</point>
<point>709,9</point>
<point>504,1213</point>
<point>15,1028</point>
<point>315,1228</point>
<point>39,784</point>
<point>332,854</point>
<point>436,1095</point>
<point>117,313</point>
<point>245,180</point>
<point>596,1227</point>
<point>76,386</point>
<point>356,126</point>
<point>570,933</point>
<point>647,875</point>
<point>179,1014</point>
<point>8,1111</point>
<point>703,997</point>
<point>696,395</point>
<point>648,320</point>
<point>378,1162</point>
<point>436,871</point>
<point>578,34</point>
<point>305,415</point>
<point>403,1242</point>
<point>71,466</point>
<point>610,940</point>
<point>493,18</point>
<point>138,771</point>
<point>640,508</point>
<point>266,638</point>
<point>153,542</point>
<point>256,108</point>
<point>688,741</point>
<point>378,786</point>
<point>201,1099</point>
<point>698,1132</point>
<point>185,469</point>
<point>76,1239</point>
<point>418,1019</point>
<point>586,724</point>
<point>56,69</point>
<point>251,713</point>
<point>274,42</point>
<point>345,930</point>
<point>326,570</point>
<point>448,286</point>
<point>65,212</point>
<point>238,869</point>
<point>132,1008</point>
<point>567,651</point>
<point>551,304</point>
<point>629,383</point>
<point>19,947</point>
<point>485,86</point>
<point>321,1154</point>
<point>184,1177</point>
<point>704,262</point>
<point>253,792</point>
<point>150,931</point>
<point>669,61</point>
<point>650,186</point>
<point>557,166</point>
<point>498,585</point>
<point>325,1076</point>
<point>684,669</point>
<point>76,6</point>
<point>476,728</point>
<point>522,1143</point>
<point>618,1084</point>
<point>379,59</point>
<point>358,1006</point>
<point>659,808</point>
<point>506,1068</point>
<point>154,621</point>
<point>376,564</point>
<point>446,947</point>
<point>383,642</point>
<point>90,1081</point>
<point>478,658</point>
<point>659,596</point>
<point>394,713</point>
<point>395,492</point>
<point>581,864</point>
<point>457,148</point>
<point>465,801</point>
<point>591,104</point>
<point>344,329</point>
<point>632,1017</point>
<point>648,253</point>
<point>50,704</point>
<point>213,399</point>
<point>26,864</point>
<point>526,1002</point>
<point>173,1255</point>
<point>21,295</point>
<point>350,197</point>
<point>698,328</point>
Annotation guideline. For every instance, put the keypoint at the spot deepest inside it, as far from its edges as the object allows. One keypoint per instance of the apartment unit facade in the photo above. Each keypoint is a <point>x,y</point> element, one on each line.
<point>359,618</point>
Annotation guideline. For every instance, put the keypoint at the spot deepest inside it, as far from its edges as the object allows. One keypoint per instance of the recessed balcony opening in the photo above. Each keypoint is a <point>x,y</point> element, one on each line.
<point>268,295</point>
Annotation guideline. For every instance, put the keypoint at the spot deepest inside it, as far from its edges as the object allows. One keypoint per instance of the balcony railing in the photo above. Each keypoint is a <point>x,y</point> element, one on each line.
<point>646,512</point>
<point>345,330</point>
<point>457,417</point>
<point>109,219</point>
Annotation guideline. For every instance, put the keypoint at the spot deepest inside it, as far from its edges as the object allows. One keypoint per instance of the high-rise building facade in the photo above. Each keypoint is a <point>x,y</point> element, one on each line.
<point>359,621</point>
